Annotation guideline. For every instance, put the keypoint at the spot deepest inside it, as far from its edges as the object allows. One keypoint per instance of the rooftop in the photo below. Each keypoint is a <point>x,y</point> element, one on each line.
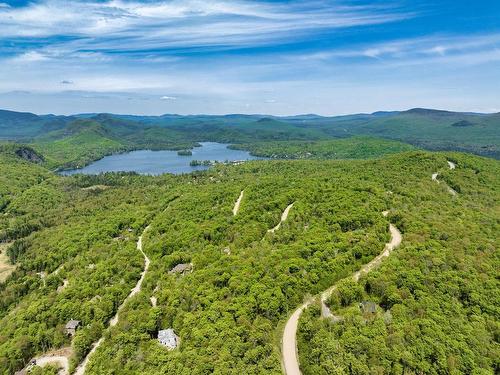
<point>181,268</point>
<point>72,324</point>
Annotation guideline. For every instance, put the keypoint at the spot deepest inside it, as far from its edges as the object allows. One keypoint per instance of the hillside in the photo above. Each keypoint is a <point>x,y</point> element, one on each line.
<point>438,130</point>
<point>77,144</point>
<point>356,147</point>
<point>77,259</point>
<point>422,128</point>
<point>23,126</point>
<point>435,300</point>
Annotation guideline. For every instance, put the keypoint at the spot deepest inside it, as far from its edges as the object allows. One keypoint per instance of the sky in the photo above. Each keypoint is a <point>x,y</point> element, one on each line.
<point>328,57</point>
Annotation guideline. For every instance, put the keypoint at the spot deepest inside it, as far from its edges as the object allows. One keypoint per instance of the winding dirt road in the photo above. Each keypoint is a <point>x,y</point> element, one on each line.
<point>289,340</point>
<point>80,370</point>
<point>284,216</point>
<point>434,177</point>
<point>236,207</point>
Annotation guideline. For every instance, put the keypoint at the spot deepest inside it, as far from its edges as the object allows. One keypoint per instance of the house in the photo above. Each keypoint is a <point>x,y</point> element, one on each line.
<point>181,268</point>
<point>72,326</point>
<point>168,338</point>
<point>368,307</point>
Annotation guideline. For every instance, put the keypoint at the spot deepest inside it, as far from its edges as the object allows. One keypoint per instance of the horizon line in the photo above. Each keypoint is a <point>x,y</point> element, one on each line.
<point>251,114</point>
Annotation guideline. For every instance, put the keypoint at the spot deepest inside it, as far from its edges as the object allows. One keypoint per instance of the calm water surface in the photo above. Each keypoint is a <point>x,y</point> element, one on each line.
<point>158,162</point>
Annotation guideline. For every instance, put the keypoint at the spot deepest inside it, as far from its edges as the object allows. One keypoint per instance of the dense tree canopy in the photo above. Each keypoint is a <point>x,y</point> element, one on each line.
<point>437,306</point>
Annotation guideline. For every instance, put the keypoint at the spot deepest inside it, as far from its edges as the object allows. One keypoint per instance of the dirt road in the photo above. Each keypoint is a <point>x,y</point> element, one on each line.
<point>58,357</point>
<point>451,165</point>
<point>284,216</point>
<point>6,268</point>
<point>80,370</point>
<point>236,207</point>
<point>289,340</point>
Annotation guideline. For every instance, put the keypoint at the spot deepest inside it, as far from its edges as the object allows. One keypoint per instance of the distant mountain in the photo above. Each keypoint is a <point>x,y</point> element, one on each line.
<point>428,112</point>
<point>385,113</point>
<point>440,112</point>
<point>17,116</point>
<point>25,125</point>
<point>422,127</point>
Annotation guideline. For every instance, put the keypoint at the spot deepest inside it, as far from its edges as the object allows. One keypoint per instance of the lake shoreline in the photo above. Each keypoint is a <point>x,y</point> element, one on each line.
<point>156,162</point>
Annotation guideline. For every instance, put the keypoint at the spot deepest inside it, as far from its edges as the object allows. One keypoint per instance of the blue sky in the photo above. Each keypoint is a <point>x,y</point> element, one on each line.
<point>276,57</point>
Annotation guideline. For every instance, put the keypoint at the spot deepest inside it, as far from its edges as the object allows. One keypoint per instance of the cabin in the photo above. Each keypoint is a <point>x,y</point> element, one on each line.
<point>71,327</point>
<point>181,268</point>
<point>168,338</point>
<point>368,307</point>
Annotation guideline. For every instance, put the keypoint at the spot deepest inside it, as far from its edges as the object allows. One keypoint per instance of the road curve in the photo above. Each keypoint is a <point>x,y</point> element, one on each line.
<point>284,216</point>
<point>434,177</point>
<point>289,339</point>
<point>80,370</point>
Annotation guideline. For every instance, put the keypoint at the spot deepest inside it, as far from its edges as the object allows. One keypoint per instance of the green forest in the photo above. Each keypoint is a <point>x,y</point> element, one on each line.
<point>69,142</point>
<point>73,243</point>
<point>357,147</point>
<point>249,187</point>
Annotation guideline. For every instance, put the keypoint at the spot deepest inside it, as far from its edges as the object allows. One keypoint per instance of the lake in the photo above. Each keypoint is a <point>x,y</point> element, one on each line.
<point>158,162</point>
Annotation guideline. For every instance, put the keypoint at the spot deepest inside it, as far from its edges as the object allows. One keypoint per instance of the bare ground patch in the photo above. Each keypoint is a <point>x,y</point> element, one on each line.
<point>6,268</point>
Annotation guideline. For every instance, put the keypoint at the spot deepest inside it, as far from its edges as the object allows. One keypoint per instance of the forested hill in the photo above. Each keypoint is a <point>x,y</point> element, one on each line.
<point>64,138</point>
<point>73,244</point>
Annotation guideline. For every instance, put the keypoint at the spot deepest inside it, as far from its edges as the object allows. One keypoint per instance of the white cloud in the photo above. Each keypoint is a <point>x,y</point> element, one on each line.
<point>145,49</point>
<point>471,49</point>
<point>184,22</point>
<point>438,50</point>
<point>30,57</point>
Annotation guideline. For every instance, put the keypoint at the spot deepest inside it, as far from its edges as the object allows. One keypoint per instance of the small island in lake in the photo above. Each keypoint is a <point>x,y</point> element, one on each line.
<point>184,153</point>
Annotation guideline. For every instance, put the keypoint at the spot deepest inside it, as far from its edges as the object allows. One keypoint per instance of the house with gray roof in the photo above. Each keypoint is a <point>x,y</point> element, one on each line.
<point>181,268</point>
<point>168,338</point>
<point>72,326</point>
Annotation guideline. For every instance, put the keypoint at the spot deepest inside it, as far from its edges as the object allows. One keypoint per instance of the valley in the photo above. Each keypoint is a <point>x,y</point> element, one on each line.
<point>69,142</point>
